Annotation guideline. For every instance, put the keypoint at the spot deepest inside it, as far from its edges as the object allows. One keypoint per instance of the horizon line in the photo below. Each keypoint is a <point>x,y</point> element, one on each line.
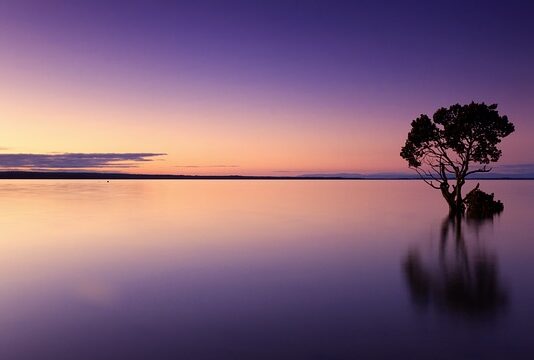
<point>90,175</point>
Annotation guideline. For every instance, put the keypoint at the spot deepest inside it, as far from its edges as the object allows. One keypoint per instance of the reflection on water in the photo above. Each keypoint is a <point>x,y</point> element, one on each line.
<point>260,270</point>
<point>462,278</point>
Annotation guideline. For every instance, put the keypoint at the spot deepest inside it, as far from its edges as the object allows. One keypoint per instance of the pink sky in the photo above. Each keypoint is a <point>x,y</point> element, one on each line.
<point>224,93</point>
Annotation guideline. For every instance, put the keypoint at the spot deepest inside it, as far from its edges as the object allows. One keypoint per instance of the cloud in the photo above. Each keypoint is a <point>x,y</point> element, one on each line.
<point>207,166</point>
<point>74,161</point>
<point>301,171</point>
<point>515,168</point>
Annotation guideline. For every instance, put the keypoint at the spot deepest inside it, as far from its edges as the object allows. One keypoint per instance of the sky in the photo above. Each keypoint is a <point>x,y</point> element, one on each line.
<point>251,87</point>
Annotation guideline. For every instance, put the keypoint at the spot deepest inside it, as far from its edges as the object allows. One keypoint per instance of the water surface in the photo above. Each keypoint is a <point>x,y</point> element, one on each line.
<point>261,270</point>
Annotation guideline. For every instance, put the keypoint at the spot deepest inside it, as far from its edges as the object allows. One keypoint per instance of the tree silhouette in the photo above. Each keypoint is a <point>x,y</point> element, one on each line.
<point>447,146</point>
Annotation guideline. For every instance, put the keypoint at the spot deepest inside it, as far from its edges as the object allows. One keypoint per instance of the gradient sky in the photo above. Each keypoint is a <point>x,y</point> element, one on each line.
<point>254,87</point>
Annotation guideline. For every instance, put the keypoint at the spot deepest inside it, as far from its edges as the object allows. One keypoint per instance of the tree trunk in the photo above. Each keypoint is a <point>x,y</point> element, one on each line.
<point>456,202</point>
<point>449,197</point>
<point>459,201</point>
<point>454,209</point>
<point>454,198</point>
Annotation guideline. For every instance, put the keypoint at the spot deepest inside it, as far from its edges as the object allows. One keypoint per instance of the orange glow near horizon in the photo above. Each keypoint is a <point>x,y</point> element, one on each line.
<point>56,98</point>
<point>216,139</point>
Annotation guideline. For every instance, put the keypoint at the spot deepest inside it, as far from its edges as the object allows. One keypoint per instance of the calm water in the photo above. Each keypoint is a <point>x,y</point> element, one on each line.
<point>261,270</point>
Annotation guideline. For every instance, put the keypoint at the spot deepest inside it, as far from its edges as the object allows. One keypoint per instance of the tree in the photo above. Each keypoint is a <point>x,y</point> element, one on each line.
<point>457,142</point>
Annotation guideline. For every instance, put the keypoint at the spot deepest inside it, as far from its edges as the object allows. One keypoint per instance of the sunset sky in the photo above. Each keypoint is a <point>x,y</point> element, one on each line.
<point>251,87</point>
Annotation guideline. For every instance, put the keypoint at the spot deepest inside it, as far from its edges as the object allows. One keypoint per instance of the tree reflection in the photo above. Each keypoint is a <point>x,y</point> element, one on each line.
<point>463,279</point>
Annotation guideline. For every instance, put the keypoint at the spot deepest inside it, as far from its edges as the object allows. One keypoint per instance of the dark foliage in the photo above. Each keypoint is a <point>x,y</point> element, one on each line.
<point>481,205</point>
<point>447,146</point>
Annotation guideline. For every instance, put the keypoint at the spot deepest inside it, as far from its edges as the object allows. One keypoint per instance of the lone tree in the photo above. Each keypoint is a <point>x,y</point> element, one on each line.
<point>457,142</point>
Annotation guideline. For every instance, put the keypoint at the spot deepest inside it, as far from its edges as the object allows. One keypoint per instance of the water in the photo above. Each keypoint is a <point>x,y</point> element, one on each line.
<point>261,270</point>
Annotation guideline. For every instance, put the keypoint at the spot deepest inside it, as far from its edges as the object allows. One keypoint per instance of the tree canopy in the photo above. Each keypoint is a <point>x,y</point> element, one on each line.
<point>449,144</point>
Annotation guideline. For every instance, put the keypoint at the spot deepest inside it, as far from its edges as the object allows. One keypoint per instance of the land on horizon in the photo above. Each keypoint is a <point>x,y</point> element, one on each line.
<point>66,175</point>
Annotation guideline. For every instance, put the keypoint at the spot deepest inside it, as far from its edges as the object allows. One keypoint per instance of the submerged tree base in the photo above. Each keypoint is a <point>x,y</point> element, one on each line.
<point>481,205</point>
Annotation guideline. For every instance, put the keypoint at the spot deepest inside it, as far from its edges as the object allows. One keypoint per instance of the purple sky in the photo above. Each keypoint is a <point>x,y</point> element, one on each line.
<point>297,77</point>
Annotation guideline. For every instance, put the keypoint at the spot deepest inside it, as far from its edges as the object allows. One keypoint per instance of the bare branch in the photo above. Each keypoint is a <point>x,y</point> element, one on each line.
<point>483,169</point>
<point>424,176</point>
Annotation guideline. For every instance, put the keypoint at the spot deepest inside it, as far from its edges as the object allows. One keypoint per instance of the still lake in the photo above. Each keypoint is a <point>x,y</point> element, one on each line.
<point>229,269</point>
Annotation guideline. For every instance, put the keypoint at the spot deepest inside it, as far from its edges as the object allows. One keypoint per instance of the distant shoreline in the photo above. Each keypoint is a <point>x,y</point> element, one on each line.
<point>31,175</point>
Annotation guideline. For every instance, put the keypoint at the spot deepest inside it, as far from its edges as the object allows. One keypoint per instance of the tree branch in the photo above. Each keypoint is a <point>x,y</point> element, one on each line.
<point>484,169</point>
<point>424,176</point>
